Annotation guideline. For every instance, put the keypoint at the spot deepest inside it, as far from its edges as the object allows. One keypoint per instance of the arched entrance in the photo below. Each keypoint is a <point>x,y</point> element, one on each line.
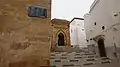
<point>101,47</point>
<point>61,40</point>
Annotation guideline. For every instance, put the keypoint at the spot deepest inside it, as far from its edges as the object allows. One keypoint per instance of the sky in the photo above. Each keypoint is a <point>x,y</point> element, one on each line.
<point>68,9</point>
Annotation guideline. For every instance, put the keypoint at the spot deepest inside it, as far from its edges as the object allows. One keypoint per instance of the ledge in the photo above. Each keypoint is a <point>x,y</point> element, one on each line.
<point>93,5</point>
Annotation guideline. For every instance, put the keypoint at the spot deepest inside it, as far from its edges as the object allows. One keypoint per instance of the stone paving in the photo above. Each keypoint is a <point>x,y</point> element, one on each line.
<point>74,59</point>
<point>105,65</point>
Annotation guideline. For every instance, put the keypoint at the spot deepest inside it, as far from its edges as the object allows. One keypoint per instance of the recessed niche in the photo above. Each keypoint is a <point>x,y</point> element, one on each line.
<point>103,27</point>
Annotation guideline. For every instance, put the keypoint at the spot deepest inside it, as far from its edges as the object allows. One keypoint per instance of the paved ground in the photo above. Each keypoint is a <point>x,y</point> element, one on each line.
<point>105,65</point>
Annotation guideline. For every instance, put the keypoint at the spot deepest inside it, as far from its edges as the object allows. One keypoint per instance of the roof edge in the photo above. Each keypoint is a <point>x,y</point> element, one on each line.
<point>59,20</point>
<point>76,18</point>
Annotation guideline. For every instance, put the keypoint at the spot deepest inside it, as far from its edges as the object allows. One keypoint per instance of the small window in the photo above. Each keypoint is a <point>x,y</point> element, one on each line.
<point>34,11</point>
<point>95,23</point>
<point>78,24</point>
<point>116,15</point>
<point>82,29</point>
<point>71,30</point>
<point>87,40</point>
<point>91,39</point>
<point>103,27</point>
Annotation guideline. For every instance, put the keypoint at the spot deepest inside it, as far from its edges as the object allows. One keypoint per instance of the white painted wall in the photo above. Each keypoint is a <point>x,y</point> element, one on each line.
<point>103,14</point>
<point>77,33</point>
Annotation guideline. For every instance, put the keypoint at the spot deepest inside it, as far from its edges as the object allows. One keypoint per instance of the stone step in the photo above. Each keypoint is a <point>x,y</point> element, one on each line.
<point>76,59</point>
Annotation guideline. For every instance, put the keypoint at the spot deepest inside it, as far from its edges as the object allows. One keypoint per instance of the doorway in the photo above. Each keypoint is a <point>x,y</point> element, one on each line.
<point>101,47</point>
<point>61,40</point>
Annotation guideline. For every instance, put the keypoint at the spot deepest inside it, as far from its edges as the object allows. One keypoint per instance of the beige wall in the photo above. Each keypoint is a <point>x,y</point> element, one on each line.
<point>103,14</point>
<point>60,26</point>
<point>24,41</point>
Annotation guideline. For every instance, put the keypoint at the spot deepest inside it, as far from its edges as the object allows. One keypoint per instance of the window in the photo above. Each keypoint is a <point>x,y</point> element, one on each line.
<point>116,15</point>
<point>95,23</point>
<point>87,40</point>
<point>78,24</point>
<point>71,30</point>
<point>37,12</point>
<point>91,39</point>
<point>103,27</point>
<point>82,29</point>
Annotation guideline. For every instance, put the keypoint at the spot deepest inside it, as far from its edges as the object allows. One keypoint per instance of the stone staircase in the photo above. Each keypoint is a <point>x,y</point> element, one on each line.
<point>74,59</point>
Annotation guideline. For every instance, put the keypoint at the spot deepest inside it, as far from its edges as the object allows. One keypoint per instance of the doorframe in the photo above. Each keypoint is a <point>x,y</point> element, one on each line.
<point>96,39</point>
<point>101,48</point>
<point>63,39</point>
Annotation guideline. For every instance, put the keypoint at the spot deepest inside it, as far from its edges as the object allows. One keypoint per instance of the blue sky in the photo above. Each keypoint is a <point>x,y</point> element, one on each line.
<point>67,9</point>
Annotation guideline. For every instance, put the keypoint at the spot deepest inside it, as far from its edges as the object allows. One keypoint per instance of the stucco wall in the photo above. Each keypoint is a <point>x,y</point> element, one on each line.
<point>104,15</point>
<point>77,33</point>
<point>24,41</point>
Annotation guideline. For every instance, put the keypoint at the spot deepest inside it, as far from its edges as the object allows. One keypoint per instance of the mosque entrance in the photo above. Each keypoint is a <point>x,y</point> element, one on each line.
<point>61,40</point>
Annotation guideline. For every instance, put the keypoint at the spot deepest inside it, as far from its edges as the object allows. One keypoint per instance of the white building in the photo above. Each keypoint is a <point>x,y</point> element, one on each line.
<point>77,33</point>
<point>102,26</point>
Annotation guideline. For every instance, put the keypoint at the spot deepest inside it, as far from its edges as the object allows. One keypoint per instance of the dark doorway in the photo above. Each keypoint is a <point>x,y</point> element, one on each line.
<point>101,48</point>
<point>61,40</point>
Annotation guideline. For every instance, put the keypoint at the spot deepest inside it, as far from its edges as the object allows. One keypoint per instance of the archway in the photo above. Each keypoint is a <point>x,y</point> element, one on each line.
<point>101,47</point>
<point>61,40</point>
